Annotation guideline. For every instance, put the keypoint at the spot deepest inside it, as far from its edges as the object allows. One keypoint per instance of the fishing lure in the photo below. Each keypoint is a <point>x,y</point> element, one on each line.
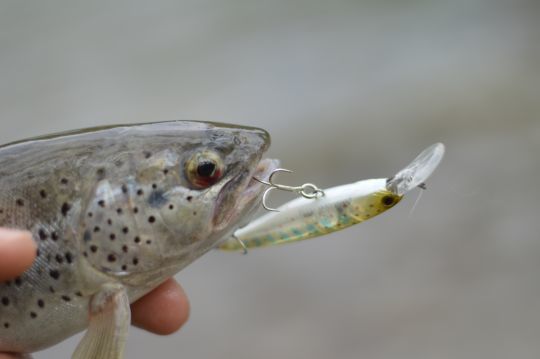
<point>340,207</point>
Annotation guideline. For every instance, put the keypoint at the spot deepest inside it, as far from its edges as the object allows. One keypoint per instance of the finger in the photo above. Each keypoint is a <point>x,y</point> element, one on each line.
<point>17,252</point>
<point>15,356</point>
<point>163,311</point>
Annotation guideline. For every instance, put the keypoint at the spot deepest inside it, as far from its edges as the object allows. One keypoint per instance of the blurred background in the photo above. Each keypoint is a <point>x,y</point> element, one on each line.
<point>349,90</point>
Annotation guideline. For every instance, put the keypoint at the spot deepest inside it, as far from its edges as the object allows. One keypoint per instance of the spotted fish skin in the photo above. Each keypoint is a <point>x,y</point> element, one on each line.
<point>114,205</point>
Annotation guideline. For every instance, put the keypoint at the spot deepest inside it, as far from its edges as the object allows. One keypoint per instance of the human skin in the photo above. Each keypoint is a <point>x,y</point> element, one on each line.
<point>163,311</point>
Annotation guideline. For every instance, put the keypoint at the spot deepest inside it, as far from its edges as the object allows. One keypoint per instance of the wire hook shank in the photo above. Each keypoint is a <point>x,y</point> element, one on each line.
<point>307,190</point>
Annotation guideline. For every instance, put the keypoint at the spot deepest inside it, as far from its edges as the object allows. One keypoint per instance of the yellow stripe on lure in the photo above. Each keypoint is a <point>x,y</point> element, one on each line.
<point>339,208</point>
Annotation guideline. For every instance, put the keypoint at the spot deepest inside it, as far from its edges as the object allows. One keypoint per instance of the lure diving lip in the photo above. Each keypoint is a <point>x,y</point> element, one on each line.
<point>418,171</point>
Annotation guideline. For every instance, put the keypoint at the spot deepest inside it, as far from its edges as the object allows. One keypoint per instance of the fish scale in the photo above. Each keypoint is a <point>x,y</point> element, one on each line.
<point>115,212</point>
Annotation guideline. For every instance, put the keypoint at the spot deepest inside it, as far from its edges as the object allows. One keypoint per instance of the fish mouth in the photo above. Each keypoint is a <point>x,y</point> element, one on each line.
<point>240,197</point>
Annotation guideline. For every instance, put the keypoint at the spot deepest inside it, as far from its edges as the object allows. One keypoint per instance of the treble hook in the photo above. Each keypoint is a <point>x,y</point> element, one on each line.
<point>307,190</point>
<point>242,244</point>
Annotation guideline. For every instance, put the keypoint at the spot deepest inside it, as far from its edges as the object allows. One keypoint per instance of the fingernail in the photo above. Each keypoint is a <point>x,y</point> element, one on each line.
<point>8,234</point>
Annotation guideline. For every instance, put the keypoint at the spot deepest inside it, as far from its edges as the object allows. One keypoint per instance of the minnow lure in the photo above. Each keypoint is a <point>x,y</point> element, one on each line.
<point>340,207</point>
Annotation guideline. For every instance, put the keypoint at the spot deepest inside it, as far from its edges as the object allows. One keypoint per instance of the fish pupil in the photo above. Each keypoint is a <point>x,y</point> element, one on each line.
<point>206,169</point>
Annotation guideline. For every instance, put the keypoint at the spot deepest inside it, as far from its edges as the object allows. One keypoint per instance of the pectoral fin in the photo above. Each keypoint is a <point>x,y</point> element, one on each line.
<point>109,324</point>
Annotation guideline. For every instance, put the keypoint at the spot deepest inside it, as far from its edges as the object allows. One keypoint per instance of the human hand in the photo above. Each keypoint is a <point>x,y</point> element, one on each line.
<point>163,311</point>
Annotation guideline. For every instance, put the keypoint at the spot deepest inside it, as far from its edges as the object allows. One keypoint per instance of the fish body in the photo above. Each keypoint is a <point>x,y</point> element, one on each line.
<point>115,211</point>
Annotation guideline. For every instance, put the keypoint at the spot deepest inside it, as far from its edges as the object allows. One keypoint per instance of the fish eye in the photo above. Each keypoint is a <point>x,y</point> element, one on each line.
<point>388,200</point>
<point>204,169</point>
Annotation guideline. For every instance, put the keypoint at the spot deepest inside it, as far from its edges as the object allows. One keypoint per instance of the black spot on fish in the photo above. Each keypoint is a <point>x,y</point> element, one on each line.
<point>59,259</point>
<point>5,301</point>
<point>171,207</point>
<point>151,219</point>
<point>87,236</point>
<point>43,194</point>
<point>93,248</point>
<point>124,188</point>
<point>33,315</point>
<point>19,202</point>
<point>125,249</point>
<point>65,208</point>
<point>135,261</point>
<point>54,236</point>
<point>78,294</point>
<point>147,154</point>
<point>54,274</point>
<point>124,267</point>
<point>69,257</point>
<point>42,234</point>
<point>100,173</point>
<point>18,281</point>
<point>64,181</point>
<point>112,236</point>
<point>40,303</point>
<point>96,229</point>
<point>157,199</point>
<point>6,325</point>
<point>119,211</point>
<point>109,222</point>
<point>111,258</point>
<point>101,203</point>
<point>66,298</point>
<point>165,171</point>
<point>51,289</point>
<point>90,214</point>
<point>125,230</point>
<point>136,210</point>
<point>189,198</point>
<point>137,240</point>
<point>148,241</point>
<point>140,192</point>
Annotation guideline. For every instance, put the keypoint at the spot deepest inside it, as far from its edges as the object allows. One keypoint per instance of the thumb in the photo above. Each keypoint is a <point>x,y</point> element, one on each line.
<point>17,252</point>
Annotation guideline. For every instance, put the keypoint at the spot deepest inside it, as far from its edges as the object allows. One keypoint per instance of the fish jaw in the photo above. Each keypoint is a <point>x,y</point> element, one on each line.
<point>248,195</point>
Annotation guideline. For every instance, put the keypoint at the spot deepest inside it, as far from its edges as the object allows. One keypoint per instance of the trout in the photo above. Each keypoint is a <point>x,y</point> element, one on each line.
<point>115,211</point>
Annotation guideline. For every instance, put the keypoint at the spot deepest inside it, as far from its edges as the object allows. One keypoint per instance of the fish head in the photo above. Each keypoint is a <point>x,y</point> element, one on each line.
<point>215,189</point>
<point>183,186</point>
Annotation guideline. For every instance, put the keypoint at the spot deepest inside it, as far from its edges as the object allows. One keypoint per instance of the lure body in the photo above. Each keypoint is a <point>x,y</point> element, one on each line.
<point>302,218</point>
<point>339,208</point>
<point>114,213</point>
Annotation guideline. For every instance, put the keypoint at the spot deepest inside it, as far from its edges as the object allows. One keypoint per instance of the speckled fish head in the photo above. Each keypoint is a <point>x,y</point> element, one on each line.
<point>189,189</point>
<point>211,184</point>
